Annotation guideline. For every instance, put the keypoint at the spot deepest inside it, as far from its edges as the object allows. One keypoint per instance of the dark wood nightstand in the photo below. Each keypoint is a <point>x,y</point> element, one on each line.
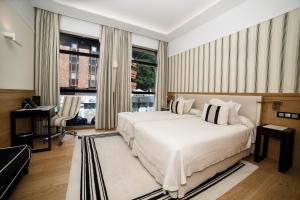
<point>286,136</point>
<point>164,109</point>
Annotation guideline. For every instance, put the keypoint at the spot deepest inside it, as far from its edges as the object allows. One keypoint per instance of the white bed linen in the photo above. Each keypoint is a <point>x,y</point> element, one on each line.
<point>127,121</point>
<point>178,148</point>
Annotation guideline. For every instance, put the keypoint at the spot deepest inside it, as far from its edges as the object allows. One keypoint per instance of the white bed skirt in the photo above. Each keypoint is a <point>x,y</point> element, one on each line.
<point>197,178</point>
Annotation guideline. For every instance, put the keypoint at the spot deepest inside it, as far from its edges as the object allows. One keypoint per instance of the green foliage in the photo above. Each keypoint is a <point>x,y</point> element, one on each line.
<point>145,78</point>
<point>144,55</point>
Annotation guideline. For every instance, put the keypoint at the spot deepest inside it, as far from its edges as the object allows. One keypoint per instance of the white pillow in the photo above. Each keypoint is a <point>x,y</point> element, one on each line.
<point>215,114</point>
<point>247,122</point>
<point>233,117</point>
<point>188,103</point>
<point>194,111</point>
<point>237,106</point>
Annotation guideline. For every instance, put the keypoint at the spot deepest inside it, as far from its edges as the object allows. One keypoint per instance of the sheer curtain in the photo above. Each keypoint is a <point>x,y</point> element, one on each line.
<point>47,56</point>
<point>161,76</point>
<point>114,88</point>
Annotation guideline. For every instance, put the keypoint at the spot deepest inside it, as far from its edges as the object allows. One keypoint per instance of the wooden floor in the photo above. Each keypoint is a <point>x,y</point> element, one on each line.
<point>49,172</point>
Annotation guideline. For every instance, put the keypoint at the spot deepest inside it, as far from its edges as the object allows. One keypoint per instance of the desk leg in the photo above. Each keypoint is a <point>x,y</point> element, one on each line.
<point>265,147</point>
<point>283,157</point>
<point>49,132</point>
<point>32,120</point>
<point>12,130</point>
<point>290,149</point>
<point>257,146</point>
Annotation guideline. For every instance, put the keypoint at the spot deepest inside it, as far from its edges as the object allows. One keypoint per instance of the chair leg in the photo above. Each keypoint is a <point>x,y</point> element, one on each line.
<point>61,132</point>
<point>74,133</point>
<point>61,136</point>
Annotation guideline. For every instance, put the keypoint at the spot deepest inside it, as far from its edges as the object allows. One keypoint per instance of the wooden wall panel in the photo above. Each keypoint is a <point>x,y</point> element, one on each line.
<point>290,103</point>
<point>11,100</point>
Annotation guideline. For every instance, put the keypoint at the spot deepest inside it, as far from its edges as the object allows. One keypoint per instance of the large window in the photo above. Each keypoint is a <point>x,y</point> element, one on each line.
<point>143,71</point>
<point>77,73</point>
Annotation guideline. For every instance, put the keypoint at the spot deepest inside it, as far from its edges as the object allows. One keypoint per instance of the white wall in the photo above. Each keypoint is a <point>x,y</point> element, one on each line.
<point>143,41</point>
<point>24,9</point>
<point>79,27</point>
<point>88,29</point>
<point>16,62</point>
<point>244,15</point>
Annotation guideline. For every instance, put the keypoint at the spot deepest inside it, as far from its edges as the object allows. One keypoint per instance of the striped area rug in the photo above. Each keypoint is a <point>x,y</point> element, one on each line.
<point>105,169</point>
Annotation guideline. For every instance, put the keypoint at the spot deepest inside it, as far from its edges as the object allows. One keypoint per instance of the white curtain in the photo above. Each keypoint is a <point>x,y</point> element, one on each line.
<point>47,56</point>
<point>114,88</point>
<point>161,76</point>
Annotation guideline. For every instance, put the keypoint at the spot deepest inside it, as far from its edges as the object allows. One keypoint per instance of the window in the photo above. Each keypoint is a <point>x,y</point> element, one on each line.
<point>143,71</point>
<point>78,68</point>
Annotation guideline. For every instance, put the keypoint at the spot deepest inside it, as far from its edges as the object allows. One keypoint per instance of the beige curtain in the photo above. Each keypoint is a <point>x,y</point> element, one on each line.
<point>161,76</point>
<point>47,56</point>
<point>114,88</point>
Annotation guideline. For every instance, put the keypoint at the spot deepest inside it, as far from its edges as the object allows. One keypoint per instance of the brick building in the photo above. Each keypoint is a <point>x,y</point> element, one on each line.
<point>76,70</point>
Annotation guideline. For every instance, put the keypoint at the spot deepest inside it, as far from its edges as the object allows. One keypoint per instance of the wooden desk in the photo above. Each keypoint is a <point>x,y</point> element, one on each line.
<point>40,112</point>
<point>286,137</point>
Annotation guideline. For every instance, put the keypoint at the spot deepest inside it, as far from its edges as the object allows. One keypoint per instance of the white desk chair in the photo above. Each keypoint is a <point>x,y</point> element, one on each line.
<point>68,111</point>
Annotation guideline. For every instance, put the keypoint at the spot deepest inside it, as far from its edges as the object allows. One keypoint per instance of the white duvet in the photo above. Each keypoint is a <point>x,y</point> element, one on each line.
<point>178,148</point>
<point>127,121</point>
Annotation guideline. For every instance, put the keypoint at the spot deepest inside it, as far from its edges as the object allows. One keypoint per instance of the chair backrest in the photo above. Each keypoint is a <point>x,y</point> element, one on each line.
<point>70,106</point>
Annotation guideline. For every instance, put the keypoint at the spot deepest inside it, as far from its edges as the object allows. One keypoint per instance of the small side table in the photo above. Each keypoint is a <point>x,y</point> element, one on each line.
<point>164,109</point>
<point>286,137</point>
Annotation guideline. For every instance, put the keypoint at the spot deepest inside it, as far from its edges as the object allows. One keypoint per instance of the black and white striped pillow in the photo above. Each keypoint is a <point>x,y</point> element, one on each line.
<point>176,106</point>
<point>215,114</point>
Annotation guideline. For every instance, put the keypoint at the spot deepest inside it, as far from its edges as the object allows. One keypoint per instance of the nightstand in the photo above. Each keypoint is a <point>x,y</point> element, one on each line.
<point>286,136</point>
<point>164,109</point>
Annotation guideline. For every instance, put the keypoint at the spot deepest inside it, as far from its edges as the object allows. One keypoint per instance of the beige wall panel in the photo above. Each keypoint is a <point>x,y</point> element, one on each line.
<point>233,62</point>
<point>191,70</point>
<point>218,75</point>
<point>242,61</point>
<point>275,54</point>
<point>252,58</point>
<point>263,59</point>
<point>206,67</point>
<point>225,64</point>
<point>261,84</point>
<point>212,66</point>
<point>201,69</point>
<point>290,72</point>
<point>196,70</point>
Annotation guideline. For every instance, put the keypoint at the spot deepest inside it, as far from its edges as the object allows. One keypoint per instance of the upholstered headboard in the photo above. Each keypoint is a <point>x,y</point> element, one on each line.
<point>251,105</point>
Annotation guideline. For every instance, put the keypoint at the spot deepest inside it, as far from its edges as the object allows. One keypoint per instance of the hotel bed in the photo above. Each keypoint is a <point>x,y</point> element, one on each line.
<point>127,121</point>
<point>175,149</point>
<point>181,154</point>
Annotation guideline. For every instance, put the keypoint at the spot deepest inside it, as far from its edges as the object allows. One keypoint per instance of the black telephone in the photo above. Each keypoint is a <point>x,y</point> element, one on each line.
<point>29,104</point>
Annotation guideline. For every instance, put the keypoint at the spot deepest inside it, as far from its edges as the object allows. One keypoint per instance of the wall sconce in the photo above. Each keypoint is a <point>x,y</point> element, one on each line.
<point>11,36</point>
<point>276,105</point>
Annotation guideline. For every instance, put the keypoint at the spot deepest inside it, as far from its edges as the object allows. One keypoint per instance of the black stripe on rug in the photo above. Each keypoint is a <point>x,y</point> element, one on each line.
<point>92,185</point>
<point>194,192</point>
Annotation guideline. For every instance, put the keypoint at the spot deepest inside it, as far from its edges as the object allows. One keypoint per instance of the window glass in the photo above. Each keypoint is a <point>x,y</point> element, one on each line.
<point>77,73</point>
<point>143,72</point>
<point>144,55</point>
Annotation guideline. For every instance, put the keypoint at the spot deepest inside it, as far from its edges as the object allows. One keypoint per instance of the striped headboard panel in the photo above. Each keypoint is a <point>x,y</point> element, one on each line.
<point>264,58</point>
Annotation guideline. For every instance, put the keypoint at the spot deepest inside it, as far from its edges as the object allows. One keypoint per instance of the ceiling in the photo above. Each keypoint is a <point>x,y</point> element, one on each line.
<point>160,19</point>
